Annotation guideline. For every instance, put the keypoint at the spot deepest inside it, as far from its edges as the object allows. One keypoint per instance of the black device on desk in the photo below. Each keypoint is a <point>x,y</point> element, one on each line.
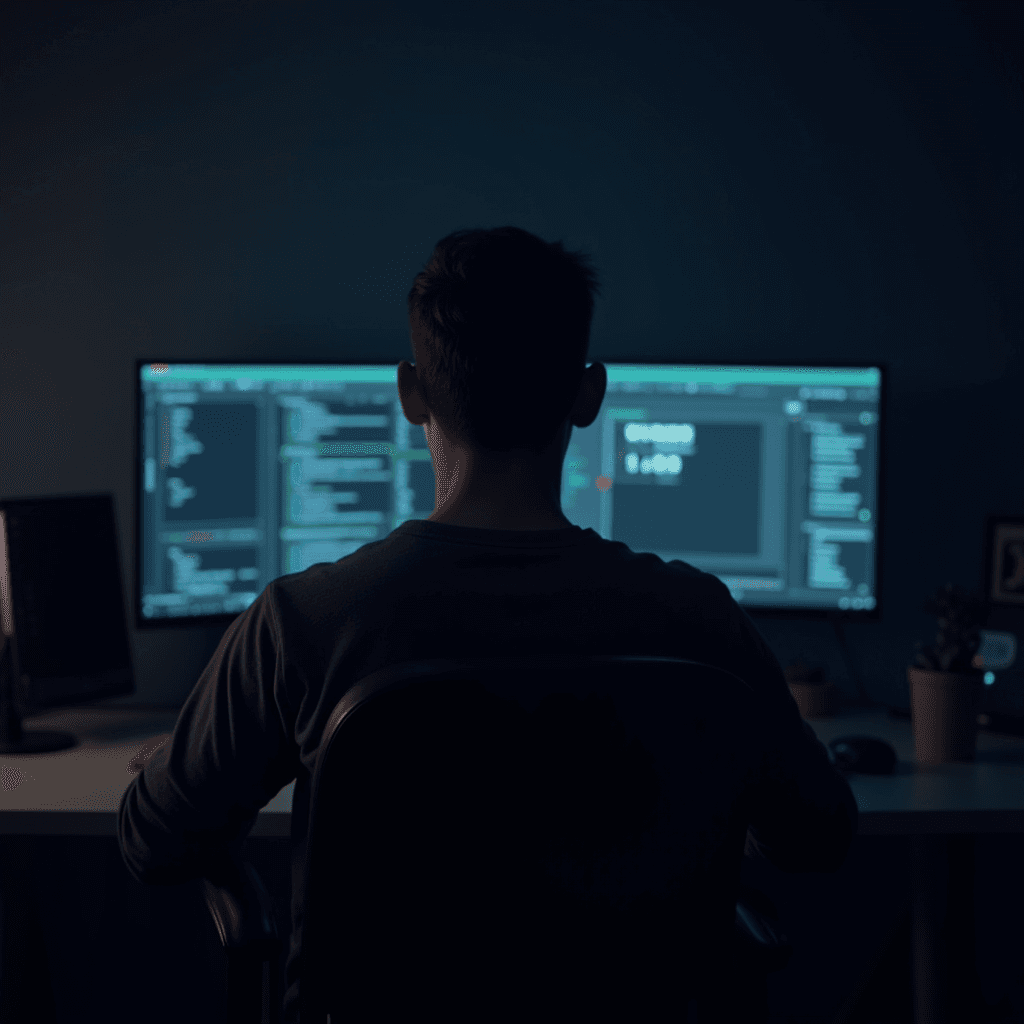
<point>65,637</point>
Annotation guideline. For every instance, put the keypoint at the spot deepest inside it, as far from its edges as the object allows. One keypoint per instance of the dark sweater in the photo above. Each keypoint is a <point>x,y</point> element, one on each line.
<point>254,721</point>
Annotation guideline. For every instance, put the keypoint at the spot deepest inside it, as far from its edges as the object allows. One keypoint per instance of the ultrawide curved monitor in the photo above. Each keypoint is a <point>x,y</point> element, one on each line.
<point>767,476</point>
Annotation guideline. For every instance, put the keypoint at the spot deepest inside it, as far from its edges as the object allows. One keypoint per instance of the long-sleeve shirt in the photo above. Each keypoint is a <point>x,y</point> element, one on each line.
<point>254,720</point>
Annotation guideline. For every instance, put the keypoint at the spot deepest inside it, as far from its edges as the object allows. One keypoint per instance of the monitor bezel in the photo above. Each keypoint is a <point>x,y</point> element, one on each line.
<point>755,611</point>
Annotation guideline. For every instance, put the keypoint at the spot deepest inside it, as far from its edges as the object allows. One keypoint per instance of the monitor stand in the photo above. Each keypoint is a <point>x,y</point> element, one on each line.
<point>14,739</point>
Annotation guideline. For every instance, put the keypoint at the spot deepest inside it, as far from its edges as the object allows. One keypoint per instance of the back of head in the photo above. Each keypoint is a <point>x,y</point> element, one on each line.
<point>503,321</point>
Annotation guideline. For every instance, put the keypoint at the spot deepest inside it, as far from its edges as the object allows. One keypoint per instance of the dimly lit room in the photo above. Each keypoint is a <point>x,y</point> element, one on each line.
<point>511,511</point>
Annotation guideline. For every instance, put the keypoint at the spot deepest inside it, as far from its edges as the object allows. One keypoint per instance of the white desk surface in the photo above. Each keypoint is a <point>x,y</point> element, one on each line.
<point>78,791</point>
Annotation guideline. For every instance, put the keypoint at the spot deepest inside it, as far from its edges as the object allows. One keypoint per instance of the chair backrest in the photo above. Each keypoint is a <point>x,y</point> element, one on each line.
<point>526,838</point>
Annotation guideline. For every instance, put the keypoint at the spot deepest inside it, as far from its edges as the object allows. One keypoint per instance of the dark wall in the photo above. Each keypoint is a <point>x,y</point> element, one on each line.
<point>763,181</point>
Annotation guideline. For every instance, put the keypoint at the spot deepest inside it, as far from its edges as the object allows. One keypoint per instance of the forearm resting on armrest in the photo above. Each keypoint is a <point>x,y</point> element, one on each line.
<point>806,815</point>
<point>822,850</point>
<point>241,907</point>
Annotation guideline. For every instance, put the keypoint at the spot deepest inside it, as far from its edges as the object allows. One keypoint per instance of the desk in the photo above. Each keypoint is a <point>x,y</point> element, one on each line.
<point>78,791</point>
<point>933,804</point>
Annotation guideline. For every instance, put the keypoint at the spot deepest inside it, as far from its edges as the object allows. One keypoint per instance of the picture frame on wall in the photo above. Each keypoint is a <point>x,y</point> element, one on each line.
<point>1004,570</point>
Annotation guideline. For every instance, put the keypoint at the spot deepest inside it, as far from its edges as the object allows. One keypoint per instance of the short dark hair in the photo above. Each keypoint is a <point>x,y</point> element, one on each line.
<point>502,296</point>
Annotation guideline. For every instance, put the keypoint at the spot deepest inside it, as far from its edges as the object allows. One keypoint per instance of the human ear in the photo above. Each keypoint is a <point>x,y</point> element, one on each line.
<point>590,396</point>
<point>413,407</point>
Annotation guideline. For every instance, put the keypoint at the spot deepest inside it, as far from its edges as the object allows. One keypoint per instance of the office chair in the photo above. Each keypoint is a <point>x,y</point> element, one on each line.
<point>512,839</point>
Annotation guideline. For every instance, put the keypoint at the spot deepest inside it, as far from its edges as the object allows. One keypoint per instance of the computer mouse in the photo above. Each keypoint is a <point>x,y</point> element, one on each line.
<point>866,754</point>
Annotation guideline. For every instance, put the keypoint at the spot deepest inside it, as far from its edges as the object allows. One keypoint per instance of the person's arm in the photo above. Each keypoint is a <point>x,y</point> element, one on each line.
<point>197,794</point>
<point>804,814</point>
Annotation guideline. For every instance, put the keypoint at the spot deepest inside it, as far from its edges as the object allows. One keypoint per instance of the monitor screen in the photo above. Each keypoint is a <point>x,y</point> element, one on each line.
<point>62,601</point>
<point>766,476</point>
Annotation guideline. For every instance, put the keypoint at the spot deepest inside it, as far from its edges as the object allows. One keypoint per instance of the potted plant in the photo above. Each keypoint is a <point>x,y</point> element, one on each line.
<point>814,695</point>
<point>945,688</point>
